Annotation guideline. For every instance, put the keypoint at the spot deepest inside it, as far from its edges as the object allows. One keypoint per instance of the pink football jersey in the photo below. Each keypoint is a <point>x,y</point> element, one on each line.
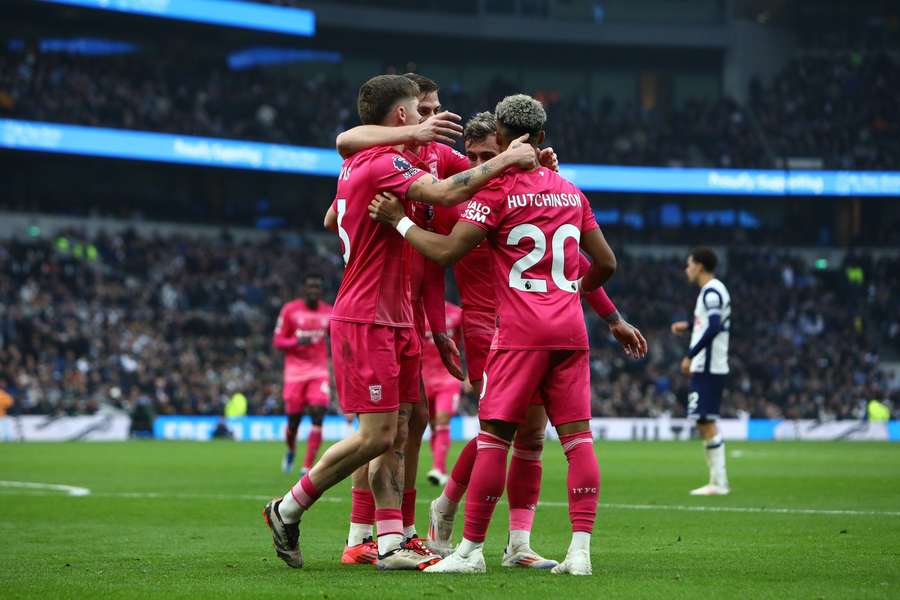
<point>297,322</point>
<point>474,274</point>
<point>442,161</point>
<point>534,221</point>
<point>375,286</point>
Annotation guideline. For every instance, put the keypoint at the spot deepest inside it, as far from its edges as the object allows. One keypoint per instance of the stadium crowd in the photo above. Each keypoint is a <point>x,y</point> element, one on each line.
<point>839,108</point>
<point>177,325</point>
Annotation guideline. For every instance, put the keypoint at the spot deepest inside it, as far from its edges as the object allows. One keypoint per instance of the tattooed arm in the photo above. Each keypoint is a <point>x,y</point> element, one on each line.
<point>462,186</point>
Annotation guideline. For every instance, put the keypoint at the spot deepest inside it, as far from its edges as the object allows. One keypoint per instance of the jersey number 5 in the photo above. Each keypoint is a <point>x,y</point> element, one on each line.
<point>342,233</point>
<point>558,252</point>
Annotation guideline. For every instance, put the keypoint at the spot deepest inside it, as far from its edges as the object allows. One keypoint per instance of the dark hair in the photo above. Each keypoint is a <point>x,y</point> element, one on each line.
<point>706,257</point>
<point>426,85</point>
<point>480,126</point>
<point>380,94</point>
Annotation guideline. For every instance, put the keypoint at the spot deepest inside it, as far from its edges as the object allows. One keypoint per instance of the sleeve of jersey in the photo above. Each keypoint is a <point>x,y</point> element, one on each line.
<point>284,338</point>
<point>712,302</point>
<point>588,221</point>
<point>598,300</point>
<point>452,161</point>
<point>715,325</point>
<point>484,208</point>
<point>393,173</point>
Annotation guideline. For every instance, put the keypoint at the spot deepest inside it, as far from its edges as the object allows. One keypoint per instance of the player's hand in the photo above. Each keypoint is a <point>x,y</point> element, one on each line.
<point>686,365</point>
<point>387,209</point>
<point>547,158</point>
<point>630,337</point>
<point>521,154</point>
<point>442,127</point>
<point>449,354</point>
<point>679,327</point>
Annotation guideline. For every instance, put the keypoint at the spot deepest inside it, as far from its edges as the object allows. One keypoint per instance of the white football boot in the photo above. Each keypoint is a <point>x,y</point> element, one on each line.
<point>711,489</point>
<point>456,563</point>
<point>577,562</point>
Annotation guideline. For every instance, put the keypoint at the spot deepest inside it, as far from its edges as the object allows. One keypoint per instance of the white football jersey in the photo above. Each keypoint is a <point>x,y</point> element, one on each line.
<point>712,300</point>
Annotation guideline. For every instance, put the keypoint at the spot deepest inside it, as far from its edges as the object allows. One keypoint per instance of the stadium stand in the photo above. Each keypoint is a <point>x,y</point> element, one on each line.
<point>178,323</point>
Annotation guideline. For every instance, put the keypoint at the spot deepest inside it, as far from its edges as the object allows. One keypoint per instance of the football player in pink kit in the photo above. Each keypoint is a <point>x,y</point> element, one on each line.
<point>535,221</point>
<point>374,349</point>
<point>443,391</point>
<point>427,283</point>
<point>301,334</point>
<point>427,295</point>
<point>475,280</point>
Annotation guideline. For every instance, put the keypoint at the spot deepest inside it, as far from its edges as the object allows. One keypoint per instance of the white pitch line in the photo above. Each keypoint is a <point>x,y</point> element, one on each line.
<point>57,487</point>
<point>39,489</point>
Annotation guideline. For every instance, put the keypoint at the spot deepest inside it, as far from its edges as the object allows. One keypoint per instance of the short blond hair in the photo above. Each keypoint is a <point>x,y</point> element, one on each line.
<point>521,114</point>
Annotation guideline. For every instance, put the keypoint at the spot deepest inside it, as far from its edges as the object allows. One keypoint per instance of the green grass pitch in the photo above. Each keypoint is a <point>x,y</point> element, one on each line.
<point>182,520</point>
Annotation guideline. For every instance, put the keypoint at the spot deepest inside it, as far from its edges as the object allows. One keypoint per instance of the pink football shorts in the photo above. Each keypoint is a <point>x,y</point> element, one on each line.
<point>443,396</point>
<point>478,333</point>
<point>376,367</point>
<point>300,394</point>
<point>515,379</point>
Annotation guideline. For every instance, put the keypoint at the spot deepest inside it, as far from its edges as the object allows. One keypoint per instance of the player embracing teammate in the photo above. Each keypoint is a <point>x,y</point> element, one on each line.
<point>535,222</point>
<point>375,351</point>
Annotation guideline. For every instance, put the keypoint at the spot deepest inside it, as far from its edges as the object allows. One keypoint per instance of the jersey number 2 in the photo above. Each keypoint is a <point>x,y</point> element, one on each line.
<point>518,233</point>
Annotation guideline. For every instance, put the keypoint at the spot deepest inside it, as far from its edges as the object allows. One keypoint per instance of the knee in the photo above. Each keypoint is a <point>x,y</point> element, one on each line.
<point>530,438</point>
<point>376,443</point>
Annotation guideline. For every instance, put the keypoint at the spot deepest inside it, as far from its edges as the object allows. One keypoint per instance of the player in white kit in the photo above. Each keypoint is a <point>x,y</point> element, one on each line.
<point>707,363</point>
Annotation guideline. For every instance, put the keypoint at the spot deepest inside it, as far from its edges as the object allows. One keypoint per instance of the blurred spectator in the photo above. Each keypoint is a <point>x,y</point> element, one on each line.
<point>178,325</point>
<point>841,108</point>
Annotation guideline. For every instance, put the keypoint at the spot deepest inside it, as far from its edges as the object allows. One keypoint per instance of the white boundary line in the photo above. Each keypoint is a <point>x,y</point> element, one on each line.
<point>58,487</point>
<point>24,488</point>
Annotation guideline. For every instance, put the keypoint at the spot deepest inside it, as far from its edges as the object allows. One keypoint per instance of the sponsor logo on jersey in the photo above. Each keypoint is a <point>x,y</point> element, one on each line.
<point>476,211</point>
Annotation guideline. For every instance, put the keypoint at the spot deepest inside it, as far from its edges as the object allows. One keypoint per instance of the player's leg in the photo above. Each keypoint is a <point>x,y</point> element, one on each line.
<point>290,440</point>
<point>317,394</point>
<point>375,436</point>
<point>387,472</point>
<point>523,489</point>
<point>418,422</point>
<point>704,402</point>
<point>509,384</point>
<point>292,395</point>
<point>446,404</point>
<point>361,548</point>
<point>567,397</point>
<point>366,368</point>
<point>478,331</point>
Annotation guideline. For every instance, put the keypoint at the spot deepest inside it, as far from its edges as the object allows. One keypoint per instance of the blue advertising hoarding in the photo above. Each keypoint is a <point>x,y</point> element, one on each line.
<point>238,154</point>
<point>231,13</point>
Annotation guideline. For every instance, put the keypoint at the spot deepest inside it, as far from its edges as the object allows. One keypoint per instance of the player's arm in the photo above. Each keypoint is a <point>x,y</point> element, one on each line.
<point>603,260</point>
<point>442,127</point>
<point>331,220</point>
<point>712,300</point>
<point>631,338</point>
<point>436,313</point>
<point>462,186</point>
<point>284,339</point>
<point>442,249</point>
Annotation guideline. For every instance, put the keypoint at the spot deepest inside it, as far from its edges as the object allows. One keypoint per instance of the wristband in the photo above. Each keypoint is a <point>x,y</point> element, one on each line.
<point>404,225</point>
